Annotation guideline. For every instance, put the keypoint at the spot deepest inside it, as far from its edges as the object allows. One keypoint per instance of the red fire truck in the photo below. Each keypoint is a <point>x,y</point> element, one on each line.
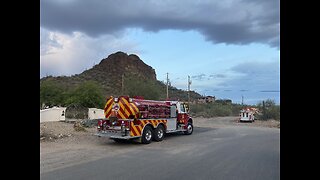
<point>248,114</point>
<point>146,120</point>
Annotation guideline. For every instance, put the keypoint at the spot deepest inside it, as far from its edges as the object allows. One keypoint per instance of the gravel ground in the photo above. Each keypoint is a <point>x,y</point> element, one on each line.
<point>68,132</point>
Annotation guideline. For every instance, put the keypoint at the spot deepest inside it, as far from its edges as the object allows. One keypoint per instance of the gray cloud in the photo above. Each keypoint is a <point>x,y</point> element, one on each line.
<point>217,76</point>
<point>199,77</point>
<point>272,91</point>
<point>254,81</point>
<point>231,22</point>
<point>255,68</point>
<point>48,42</point>
<point>257,76</point>
<point>62,54</point>
<point>251,76</point>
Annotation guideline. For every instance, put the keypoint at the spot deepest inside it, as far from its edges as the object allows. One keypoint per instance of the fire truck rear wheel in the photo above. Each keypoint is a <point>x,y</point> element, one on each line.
<point>159,133</point>
<point>189,129</point>
<point>147,135</point>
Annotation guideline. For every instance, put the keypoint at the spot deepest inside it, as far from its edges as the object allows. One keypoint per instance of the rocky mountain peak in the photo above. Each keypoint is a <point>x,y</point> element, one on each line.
<point>120,63</point>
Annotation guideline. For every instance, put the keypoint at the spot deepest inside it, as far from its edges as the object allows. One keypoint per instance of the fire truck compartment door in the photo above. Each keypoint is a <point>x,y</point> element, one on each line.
<point>172,124</point>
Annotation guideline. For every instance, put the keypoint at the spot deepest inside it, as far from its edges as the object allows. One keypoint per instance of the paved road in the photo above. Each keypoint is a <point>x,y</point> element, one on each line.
<point>230,152</point>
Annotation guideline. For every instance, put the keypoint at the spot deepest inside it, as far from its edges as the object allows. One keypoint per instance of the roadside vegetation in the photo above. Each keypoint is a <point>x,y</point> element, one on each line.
<point>89,94</point>
<point>214,109</point>
<point>267,109</point>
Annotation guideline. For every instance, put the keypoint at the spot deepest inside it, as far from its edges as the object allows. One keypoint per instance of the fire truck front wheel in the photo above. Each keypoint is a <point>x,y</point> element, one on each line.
<point>147,135</point>
<point>189,129</point>
<point>159,133</point>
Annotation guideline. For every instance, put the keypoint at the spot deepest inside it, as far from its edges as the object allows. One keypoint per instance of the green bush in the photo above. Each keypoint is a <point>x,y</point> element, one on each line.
<point>214,109</point>
<point>50,94</point>
<point>88,94</point>
<point>139,87</point>
<point>269,110</point>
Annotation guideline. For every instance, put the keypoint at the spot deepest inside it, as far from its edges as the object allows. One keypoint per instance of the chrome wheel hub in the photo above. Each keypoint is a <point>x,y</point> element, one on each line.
<point>160,133</point>
<point>148,135</point>
<point>189,128</point>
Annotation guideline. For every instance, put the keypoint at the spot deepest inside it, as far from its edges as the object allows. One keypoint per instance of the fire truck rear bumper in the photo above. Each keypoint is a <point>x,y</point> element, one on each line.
<point>113,135</point>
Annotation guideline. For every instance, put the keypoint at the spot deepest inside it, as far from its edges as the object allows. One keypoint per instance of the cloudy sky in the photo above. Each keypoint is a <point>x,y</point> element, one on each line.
<point>229,48</point>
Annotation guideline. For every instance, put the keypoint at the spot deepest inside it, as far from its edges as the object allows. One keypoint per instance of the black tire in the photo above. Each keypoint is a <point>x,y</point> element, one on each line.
<point>189,129</point>
<point>147,135</point>
<point>159,133</point>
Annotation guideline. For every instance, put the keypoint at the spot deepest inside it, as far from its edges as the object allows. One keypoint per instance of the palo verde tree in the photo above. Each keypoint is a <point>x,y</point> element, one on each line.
<point>88,94</point>
<point>51,94</point>
<point>140,87</point>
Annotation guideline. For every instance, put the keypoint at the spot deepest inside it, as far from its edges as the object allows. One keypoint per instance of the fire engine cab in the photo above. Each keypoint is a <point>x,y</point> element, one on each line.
<point>247,114</point>
<point>146,120</point>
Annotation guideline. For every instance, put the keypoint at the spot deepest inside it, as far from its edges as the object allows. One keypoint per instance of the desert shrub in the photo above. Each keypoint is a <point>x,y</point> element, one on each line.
<point>214,109</point>
<point>75,111</point>
<point>268,110</point>
<point>79,127</point>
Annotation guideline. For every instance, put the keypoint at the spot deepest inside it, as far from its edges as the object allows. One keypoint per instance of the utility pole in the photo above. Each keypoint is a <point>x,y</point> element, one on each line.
<point>167,86</point>
<point>242,101</point>
<point>122,84</point>
<point>189,83</point>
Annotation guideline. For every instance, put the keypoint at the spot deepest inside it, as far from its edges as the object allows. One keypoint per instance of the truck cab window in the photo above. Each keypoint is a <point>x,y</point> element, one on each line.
<point>173,111</point>
<point>182,108</point>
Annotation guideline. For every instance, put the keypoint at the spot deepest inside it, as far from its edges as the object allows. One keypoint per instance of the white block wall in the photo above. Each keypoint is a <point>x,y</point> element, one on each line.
<point>94,113</point>
<point>53,114</point>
